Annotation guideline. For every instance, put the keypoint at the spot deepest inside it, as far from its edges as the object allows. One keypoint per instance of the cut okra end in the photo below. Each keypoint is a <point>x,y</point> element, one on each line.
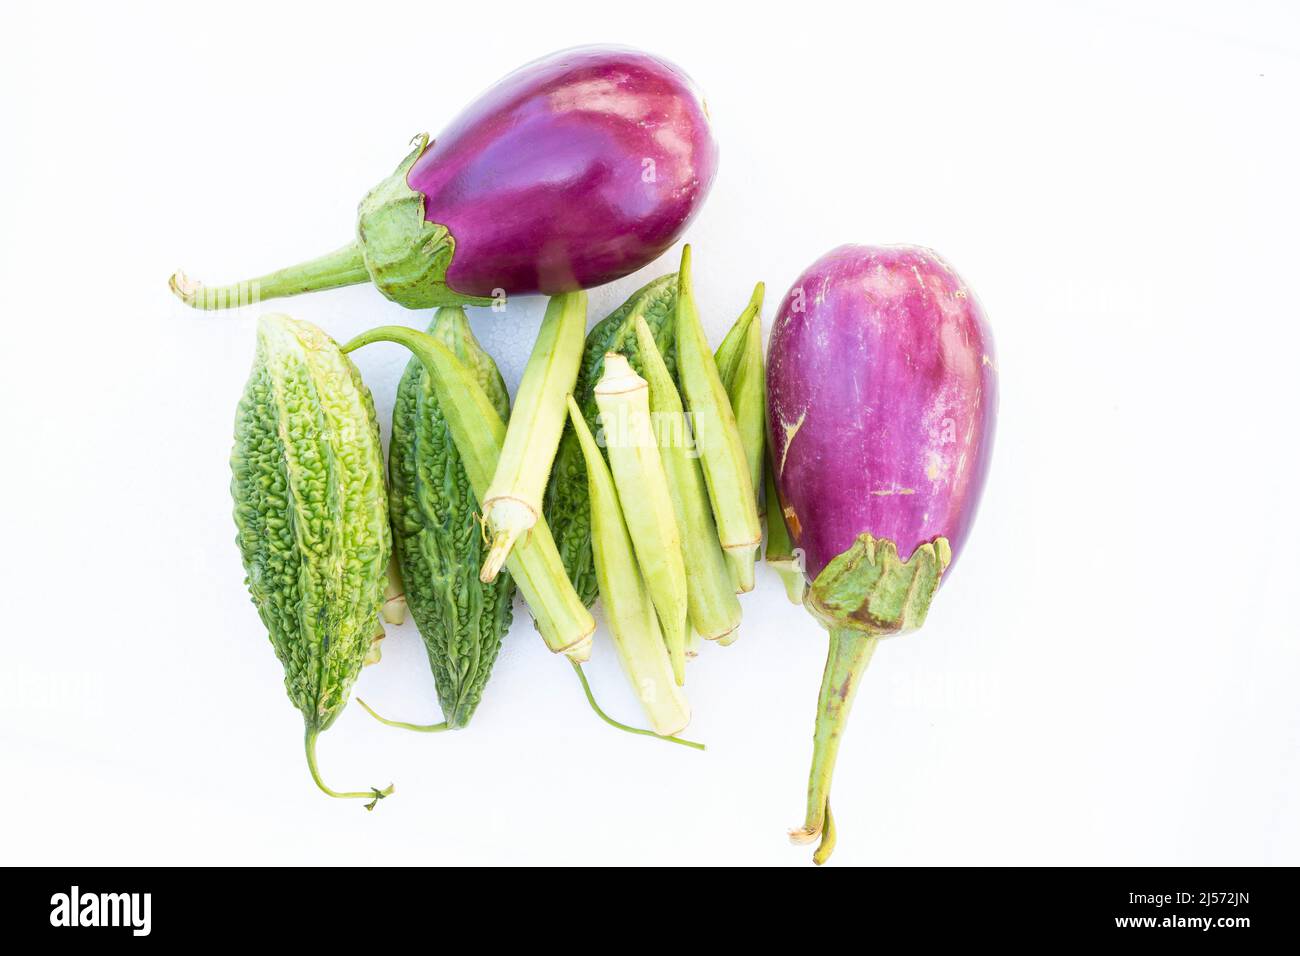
<point>619,377</point>
<point>508,519</point>
<point>580,652</point>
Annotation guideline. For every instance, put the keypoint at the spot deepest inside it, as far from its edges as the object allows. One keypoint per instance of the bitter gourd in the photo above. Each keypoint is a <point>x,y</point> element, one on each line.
<point>436,537</point>
<point>567,505</point>
<point>312,517</point>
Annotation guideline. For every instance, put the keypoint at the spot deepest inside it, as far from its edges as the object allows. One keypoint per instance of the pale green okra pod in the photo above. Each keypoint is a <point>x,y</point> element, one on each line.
<point>623,398</point>
<point>394,610</point>
<point>564,622</point>
<point>512,503</point>
<point>740,366</point>
<point>629,611</point>
<point>712,606</point>
<point>780,549</point>
<point>718,439</point>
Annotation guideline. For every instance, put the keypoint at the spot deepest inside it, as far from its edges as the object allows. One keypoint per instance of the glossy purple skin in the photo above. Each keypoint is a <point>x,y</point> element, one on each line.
<point>545,181</point>
<point>886,357</point>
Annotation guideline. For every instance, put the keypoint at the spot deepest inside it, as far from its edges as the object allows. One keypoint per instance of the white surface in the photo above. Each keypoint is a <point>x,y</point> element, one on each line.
<point>1109,677</point>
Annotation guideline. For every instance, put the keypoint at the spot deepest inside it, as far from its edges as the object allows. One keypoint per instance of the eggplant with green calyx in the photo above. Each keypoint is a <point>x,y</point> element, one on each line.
<point>882,399</point>
<point>574,170</point>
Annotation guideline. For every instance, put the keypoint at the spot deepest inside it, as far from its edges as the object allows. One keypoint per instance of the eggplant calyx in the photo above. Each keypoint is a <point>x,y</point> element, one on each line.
<point>407,257</point>
<point>865,593</point>
<point>867,588</point>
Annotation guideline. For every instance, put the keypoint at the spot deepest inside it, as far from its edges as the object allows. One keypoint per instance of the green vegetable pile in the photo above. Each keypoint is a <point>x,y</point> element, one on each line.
<point>630,469</point>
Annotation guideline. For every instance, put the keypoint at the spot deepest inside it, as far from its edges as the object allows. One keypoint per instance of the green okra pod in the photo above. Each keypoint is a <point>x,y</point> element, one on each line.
<point>478,432</point>
<point>394,609</point>
<point>740,366</point>
<point>567,508</point>
<point>629,610</point>
<point>730,353</point>
<point>712,606</point>
<point>780,549</point>
<point>717,437</point>
<point>623,398</point>
<point>512,502</point>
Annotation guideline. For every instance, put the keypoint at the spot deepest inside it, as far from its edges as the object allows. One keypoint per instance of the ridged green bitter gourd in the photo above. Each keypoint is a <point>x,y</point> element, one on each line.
<point>436,534</point>
<point>311,511</point>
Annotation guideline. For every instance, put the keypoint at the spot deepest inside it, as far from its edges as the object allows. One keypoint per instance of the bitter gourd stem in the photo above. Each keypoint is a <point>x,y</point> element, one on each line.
<point>586,689</point>
<point>373,794</point>
<point>341,267</point>
<point>422,728</point>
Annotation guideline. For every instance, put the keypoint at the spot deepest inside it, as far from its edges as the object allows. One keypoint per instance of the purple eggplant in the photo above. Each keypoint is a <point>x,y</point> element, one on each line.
<point>571,172</point>
<point>882,398</point>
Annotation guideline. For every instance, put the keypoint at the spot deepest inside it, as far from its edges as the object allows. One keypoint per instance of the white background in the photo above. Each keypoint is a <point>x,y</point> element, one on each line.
<point>1109,677</point>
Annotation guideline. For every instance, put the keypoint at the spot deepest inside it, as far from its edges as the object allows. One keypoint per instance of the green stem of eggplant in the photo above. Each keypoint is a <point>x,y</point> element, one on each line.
<point>334,269</point>
<point>591,699</point>
<point>847,659</point>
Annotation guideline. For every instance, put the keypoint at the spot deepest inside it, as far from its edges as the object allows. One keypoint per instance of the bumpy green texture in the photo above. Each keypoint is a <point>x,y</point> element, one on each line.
<point>566,626</point>
<point>567,504</point>
<point>437,538</point>
<point>311,512</point>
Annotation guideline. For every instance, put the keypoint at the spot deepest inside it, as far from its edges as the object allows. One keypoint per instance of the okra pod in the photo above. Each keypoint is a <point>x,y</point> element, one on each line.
<point>623,398</point>
<point>740,366</point>
<point>629,611</point>
<point>478,431</point>
<point>729,353</point>
<point>780,550</point>
<point>722,452</point>
<point>513,501</point>
<point>710,595</point>
<point>394,607</point>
